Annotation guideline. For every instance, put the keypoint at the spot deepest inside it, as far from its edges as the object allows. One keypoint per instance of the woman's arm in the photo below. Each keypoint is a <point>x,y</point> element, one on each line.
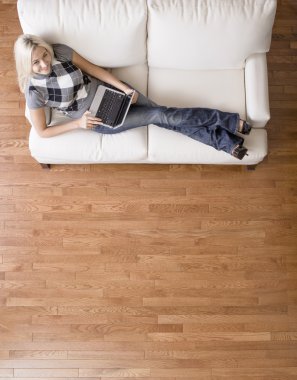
<point>99,73</point>
<point>39,122</point>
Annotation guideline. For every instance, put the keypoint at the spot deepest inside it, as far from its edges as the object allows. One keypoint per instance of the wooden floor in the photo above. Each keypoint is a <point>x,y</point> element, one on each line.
<point>150,272</point>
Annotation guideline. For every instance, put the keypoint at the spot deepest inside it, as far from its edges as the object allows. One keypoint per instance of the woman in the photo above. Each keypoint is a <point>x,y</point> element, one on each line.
<point>58,77</point>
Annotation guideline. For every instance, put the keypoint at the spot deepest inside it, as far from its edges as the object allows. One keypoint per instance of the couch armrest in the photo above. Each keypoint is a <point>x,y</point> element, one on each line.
<point>256,84</point>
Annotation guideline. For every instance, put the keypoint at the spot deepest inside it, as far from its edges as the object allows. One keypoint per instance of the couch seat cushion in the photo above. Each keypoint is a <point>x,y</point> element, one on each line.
<point>221,89</point>
<point>170,147</point>
<point>83,147</point>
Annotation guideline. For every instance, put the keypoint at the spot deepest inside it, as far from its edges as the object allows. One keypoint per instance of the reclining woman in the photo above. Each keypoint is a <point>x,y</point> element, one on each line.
<point>56,76</point>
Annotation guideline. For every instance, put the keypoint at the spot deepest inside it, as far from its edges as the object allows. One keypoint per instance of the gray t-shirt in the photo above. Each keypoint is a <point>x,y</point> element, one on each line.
<point>66,88</point>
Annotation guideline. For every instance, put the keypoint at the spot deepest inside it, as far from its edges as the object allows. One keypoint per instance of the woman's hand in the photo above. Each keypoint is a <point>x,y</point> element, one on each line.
<point>135,94</point>
<point>87,121</point>
<point>101,74</point>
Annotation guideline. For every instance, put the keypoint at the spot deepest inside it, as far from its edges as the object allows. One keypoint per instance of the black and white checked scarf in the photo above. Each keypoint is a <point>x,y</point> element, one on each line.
<point>65,88</point>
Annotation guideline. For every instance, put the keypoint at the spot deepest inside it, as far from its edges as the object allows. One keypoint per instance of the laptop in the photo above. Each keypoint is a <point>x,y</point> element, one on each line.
<point>111,106</point>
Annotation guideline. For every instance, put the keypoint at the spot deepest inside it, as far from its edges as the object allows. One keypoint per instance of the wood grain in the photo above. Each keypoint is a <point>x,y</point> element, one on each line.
<point>150,271</point>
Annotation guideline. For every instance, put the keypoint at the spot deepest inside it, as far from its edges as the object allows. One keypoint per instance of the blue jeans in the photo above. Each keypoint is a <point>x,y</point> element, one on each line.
<point>209,126</point>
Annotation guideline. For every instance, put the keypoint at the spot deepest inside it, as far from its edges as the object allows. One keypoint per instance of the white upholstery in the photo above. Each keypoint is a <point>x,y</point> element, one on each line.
<point>222,89</point>
<point>86,147</point>
<point>207,34</point>
<point>82,146</point>
<point>256,88</point>
<point>187,53</point>
<point>135,75</point>
<point>109,33</point>
<point>165,149</point>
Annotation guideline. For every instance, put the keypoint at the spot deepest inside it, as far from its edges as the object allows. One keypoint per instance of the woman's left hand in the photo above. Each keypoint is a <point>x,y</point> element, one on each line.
<point>135,94</point>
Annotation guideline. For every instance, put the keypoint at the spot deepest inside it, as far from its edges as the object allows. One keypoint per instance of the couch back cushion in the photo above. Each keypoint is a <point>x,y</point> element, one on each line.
<point>207,34</point>
<point>109,33</point>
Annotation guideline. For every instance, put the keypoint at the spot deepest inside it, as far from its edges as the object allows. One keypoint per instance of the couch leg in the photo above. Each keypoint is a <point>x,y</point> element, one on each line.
<point>251,167</point>
<point>45,166</point>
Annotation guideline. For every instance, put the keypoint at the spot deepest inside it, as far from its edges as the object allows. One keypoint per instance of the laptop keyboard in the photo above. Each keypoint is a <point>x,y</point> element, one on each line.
<point>110,106</point>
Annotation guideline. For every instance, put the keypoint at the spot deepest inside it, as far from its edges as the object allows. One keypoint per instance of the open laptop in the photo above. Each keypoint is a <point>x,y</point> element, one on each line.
<point>111,106</point>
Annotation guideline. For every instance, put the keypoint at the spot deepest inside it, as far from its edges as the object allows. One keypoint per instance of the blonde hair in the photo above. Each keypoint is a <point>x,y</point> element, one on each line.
<point>23,48</point>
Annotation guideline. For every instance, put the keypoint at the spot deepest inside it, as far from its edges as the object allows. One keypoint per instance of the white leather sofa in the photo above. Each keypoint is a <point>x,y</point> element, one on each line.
<point>203,53</point>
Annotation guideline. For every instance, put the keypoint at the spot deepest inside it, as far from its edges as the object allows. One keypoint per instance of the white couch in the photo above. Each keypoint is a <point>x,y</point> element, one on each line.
<point>203,53</point>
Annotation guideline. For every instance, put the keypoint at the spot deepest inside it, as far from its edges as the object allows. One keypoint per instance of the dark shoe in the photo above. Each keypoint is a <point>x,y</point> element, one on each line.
<point>239,152</point>
<point>246,128</point>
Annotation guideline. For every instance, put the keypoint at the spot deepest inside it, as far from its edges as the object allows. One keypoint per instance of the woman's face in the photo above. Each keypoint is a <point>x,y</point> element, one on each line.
<point>41,61</point>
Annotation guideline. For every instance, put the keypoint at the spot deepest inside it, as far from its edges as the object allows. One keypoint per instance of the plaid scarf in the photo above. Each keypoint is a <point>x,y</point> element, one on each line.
<point>65,88</point>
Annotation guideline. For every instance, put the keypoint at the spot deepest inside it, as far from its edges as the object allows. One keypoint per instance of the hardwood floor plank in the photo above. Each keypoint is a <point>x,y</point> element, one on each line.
<point>52,372</point>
